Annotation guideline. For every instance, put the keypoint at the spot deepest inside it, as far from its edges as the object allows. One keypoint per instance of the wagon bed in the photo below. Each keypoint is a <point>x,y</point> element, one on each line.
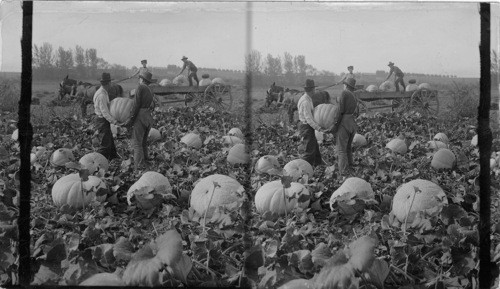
<point>216,95</point>
<point>424,101</point>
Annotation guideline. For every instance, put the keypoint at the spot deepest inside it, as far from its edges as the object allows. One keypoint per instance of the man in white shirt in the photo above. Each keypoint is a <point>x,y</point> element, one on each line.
<point>307,125</point>
<point>104,119</point>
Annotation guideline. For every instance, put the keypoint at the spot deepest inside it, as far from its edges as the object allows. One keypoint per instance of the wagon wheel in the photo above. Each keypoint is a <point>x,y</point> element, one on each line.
<point>425,101</point>
<point>192,99</point>
<point>218,96</point>
<point>400,104</point>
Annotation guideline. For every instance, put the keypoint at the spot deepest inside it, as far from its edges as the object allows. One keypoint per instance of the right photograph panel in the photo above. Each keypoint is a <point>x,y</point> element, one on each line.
<point>364,136</point>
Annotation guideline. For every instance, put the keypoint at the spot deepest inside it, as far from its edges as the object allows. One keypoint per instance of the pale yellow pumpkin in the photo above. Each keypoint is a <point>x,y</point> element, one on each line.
<point>435,144</point>
<point>192,140</point>
<point>417,196</point>
<point>238,155</point>
<point>120,108</point>
<point>61,156</point>
<point>274,198</point>
<point>154,135</point>
<point>223,191</point>
<point>236,132</point>
<point>351,188</point>
<point>397,146</point>
<point>411,87</point>
<point>104,279</point>
<point>71,190</point>
<point>267,164</point>
<point>424,86</point>
<point>441,137</point>
<point>298,168</point>
<point>231,140</point>
<point>359,140</point>
<point>443,159</point>
<point>218,80</point>
<point>154,180</point>
<point>205,82</point>
<point>94,161</point>
<point>325,115</point>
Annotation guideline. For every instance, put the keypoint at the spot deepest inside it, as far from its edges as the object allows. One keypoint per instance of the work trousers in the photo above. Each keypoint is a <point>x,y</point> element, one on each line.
<point>345,135</point>
<point>311,154</point>
<point>140,132</point>
<point>106,143</point>
<point>192,75</point>
<point>399,80</point>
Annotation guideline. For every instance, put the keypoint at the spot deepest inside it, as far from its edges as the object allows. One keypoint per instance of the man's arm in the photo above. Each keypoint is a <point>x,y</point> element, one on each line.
<point>102,101</point>
<point>390,73</point>
<point>137,103</point>
<point>306,108</point>
<point>182,70</point>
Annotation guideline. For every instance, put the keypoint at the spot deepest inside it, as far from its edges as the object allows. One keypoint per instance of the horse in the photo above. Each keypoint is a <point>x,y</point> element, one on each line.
<point>67,86</point>
<point>274,93</point>
<point>85,94</point>
<point>291,98</point>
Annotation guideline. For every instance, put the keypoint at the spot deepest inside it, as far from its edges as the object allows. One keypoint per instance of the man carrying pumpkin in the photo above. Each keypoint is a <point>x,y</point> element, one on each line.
<point>192,69</point>
<point>345,126</point>
<point>307,125</point>
<point>398,76</point>
<point>141,119</point>
<point>103,120</point>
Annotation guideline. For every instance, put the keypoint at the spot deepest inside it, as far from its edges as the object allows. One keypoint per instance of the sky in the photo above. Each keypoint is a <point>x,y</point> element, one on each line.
<point>419,37</point>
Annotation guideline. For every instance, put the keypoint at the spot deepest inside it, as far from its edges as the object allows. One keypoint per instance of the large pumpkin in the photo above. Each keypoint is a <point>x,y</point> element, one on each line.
<point>236,132</point>
<point>417,196</point>
<point>218,80</point>
<point>372,88</point>
<point>61,156</point>
<point>231,140</point>
<point>411,87</point>
<point>298,168</point>
<point>441,137</point>
<point>165,82</point>
<point>435,144</point>
<point>227,192</point>
<point>94,162</point>
<point>154,135</point>
<point>443,159</point>
<point>205,81</point>
<point>352,188</point>
<point>71,190</point>
<point>325,115</point>
<point>180,80</point>
<point>238,155</point>
<point>270,197</point>
<point>397,146</point>
<point>120,108</point>
<point>359,140</point>
<point>154,180</point>
<point>387,86</point>
<point>104,279</point>
<point>192,140</point>
<point>267,164</point>
<point>424,86</point>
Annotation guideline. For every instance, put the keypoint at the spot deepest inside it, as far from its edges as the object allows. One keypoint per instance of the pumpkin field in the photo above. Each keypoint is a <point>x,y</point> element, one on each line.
<point>227,201</point>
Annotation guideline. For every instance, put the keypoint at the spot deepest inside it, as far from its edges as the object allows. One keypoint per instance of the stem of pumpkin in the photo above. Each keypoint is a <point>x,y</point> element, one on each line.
<point>206,211</point>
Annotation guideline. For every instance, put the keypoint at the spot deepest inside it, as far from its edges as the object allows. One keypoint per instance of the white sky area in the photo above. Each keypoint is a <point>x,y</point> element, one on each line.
<point>419,37</point>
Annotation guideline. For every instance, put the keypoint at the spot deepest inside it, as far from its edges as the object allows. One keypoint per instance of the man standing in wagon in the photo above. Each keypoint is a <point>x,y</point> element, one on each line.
<point>398,76</point>
<point>141,70</point>
<point>192,69</point>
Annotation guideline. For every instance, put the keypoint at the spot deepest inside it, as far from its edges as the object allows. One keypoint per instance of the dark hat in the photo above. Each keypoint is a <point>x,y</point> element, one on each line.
<point>144,60</point>
<point>184,58</point>
<point>351,82</point>
<point>390,64</point>
<point>147,76</point>
<point>350,67</point>
<point>309,83</point>
<point>106,77</point>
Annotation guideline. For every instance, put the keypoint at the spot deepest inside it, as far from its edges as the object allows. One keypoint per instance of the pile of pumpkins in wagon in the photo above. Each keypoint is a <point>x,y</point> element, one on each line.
<point>278,196</point>
<point>389,86</point>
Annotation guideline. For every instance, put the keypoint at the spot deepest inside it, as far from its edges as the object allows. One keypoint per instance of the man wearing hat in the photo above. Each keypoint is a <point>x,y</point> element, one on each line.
<point>345,126</point>
<point>398,76</point>
<point>307,125</point>
<point>349,75</point>
<point>192,69</point>
<point>141,70</point>
<point>141,119</point>
<point>104,119</point>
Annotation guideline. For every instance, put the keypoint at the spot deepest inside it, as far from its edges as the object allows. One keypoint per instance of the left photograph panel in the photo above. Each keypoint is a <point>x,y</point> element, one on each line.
<point>136,107</point>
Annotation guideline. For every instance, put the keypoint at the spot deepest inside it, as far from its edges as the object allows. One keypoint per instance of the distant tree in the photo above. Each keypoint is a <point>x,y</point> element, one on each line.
<point>91,61</point>
<point>64,59</point>
<point>273,66</point>
<point>311,70</point>
<point>43,56</point>
<point>253,62</point>
<point>102,64</point>
<point>299,66</point>
<point>288,68</point>
<point>80,60</point>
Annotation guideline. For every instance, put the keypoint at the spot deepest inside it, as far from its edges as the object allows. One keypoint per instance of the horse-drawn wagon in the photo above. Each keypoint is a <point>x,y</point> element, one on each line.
<point>216,95</point>
<point>424,101</point>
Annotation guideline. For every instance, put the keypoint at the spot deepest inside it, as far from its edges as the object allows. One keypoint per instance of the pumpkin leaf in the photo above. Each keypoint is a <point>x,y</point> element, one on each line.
<point>182,267</point>
<point>169,247</point>
<point>122,249</point>
<point>254,257</point>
